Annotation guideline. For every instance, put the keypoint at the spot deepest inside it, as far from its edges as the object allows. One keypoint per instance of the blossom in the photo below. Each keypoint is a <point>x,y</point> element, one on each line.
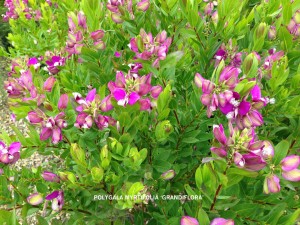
<point>50,127</point>
<point>148,48</point>
<point>132,88</point>
<point>168,175</point>
<point>57,198</point>
<point>10,154</point>
<point>187,220</point>
<point>220,94</point>
<point>84,120</point>
<point>246,151</point>
<point>54,63</point>
<point>63,101</point>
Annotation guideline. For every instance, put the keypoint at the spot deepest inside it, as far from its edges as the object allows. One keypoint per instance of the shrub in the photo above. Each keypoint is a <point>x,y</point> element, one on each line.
<point>160,112</point>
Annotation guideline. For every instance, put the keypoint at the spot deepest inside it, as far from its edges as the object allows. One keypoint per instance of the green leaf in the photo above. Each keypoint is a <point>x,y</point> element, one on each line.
<point>241,172</point>
<point>135,188</point>
<point>203,217</point>
<point>164,99</point>
<point>281,150</point>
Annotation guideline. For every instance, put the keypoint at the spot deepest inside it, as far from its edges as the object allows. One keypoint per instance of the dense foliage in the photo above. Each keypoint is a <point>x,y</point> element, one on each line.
<point>192,103</point>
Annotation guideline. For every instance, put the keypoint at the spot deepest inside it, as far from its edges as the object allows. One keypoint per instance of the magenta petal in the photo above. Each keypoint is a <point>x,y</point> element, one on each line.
<point>45,133</point>
<point>219,151</point>
<point>133,98</point>
<point>56,135</point>
<point>255,93</point>
<point>14,147</point>
<point>254,162</point>
<point>244,108</point>
<point>53,195</point>
<point>91,95</point>
<point>219,134</point>
<point>227,108</point>
<point>119,94</point>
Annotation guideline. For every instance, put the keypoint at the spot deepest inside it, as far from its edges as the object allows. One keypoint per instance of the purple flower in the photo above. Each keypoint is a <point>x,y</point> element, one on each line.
<point>84,120</point>
<point>271,184</point>
<point>104,121</point>
<point>146,47</point>
<point>52,127</point>
<point>49,176</point>
<point>57,198</point>
<point>54,63</point>
<point>11,154</point>
<point>33,62</point>
<point>187,220</point>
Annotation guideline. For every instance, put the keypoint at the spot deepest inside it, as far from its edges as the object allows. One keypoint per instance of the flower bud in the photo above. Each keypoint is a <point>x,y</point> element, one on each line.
<point>63,101</point>
<point>34,118</point>
<point>272,33</point>
<point>81,20</point>
<point>155,91</point>
<point>49,83</point>
<point>260,30</point>
<point>143,5</point>
<point>290,162</point>
<point>98,34</point>
<point>187,220</point>
<point>168,175</point>
<point>271,184</point>
<point>219,134</point>
<point>292,175</point>
<point>116,18</point>
<point>35,199</point>
<point>52,177</point>
<point>99,45</point>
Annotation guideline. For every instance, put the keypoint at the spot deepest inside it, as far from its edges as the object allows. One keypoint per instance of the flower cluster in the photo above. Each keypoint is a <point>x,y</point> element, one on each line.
<point>148,48</point>
<point>89,110</point>
<point>119,7</point>
<point>77,27</point>
<point>242,147</point>
<point>133,88</point>
<point>16,7</point>
<point>50,126</point>
<point>9,154</point>
<point>54,63</point>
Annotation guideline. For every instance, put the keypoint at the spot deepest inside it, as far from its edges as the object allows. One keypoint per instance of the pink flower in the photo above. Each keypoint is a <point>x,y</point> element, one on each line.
<point>49,83</point>
<point>11,154</point>
<point>57,198</point>
<point>84,120</point>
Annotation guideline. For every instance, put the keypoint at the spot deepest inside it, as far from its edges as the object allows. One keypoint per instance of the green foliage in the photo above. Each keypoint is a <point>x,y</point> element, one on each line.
<point>127,157</point>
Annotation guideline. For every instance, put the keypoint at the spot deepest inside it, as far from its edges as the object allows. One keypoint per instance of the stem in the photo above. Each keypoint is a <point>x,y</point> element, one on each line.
<point>220,185</point>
